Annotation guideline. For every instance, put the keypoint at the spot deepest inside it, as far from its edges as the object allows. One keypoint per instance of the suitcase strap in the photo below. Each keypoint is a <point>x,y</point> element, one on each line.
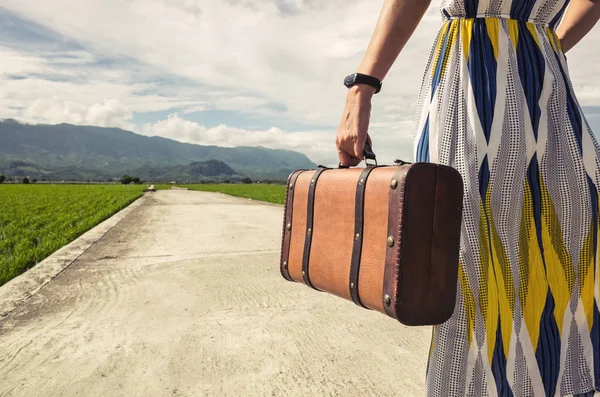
<point>309,226</point>
<point>287,225</point>
<point>359,210</point>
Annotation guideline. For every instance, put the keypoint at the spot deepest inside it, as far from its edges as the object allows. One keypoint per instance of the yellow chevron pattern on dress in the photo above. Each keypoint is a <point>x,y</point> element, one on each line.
<point>503,277</point>
<point>454,37</point>
<point>513,31</point>
<point>559,266</point>
<point>500,293</point>
<point>467,34</point>
<point>445,44</point>
<point>493,30</point>
<point>586,276</point>
<point>533,289</point>
<point>439,44</point>
<point>469,300</point>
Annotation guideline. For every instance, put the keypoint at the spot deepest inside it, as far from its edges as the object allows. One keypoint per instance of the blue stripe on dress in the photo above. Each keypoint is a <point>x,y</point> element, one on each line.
<point>532,67</point>
<point>548,348</point>
<point>533,175</point>
<point>499,366</point>
<point>484,178</point>
<point>423,147</point>
<point>521,9</point>
<point>547,352</point>
<point>482,68</point>
<point>471,8</point>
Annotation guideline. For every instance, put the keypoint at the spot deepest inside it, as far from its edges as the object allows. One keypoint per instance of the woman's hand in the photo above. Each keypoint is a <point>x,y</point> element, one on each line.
<point>353,130</point>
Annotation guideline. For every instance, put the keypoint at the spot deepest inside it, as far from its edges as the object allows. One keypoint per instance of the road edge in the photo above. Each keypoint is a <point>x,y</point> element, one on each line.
<point>18,290</point>
<point>253,201</point>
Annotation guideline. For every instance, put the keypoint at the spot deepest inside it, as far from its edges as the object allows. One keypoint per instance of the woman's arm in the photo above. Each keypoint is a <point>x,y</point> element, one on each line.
<point>397,22</point>
<point>580,18</point>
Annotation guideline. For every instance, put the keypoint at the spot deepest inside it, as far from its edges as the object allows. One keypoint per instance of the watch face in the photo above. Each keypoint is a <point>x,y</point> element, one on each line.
<point>350,79</point>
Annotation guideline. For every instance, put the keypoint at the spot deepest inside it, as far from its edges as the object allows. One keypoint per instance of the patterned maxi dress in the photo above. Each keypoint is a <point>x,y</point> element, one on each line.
<point>497,104</point>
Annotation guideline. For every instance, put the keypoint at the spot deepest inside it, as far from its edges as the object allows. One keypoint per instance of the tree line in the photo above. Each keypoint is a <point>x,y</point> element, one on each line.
<point>16,180</point>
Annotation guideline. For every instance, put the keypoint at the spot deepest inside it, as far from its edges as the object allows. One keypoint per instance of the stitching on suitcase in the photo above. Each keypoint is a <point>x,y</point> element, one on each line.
<point>310,209</point>
<point>289,198</point>
<point>359,205</point>
<point>395,214</point>
<point>397,278</point>
<point>285,212</point>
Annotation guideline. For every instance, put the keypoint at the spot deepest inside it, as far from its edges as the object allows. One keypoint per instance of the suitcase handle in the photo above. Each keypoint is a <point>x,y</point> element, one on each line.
<point>368,154</point>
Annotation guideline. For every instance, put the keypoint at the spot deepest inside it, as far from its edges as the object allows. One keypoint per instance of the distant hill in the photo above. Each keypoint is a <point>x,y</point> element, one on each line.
<point>97,153</point>
<point>199,171</point>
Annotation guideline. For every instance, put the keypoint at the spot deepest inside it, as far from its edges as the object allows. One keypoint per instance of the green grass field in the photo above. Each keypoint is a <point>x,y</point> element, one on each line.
<point>36,220</point>
<point>270,193</point>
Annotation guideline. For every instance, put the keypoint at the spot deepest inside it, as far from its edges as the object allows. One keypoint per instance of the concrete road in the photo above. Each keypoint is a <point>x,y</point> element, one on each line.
<point>183,297</point>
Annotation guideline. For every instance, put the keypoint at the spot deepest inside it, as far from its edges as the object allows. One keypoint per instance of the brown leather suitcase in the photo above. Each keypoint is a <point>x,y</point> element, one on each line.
<point>385,237</point>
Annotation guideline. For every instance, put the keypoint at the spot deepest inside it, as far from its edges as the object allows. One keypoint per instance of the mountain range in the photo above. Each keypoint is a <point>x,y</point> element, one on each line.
<point>65,151</point>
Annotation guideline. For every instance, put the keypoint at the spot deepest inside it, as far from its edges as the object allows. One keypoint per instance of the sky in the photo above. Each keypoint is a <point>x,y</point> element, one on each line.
<point>222,72</point>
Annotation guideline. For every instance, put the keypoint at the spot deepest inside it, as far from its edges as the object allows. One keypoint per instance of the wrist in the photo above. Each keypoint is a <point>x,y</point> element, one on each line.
<point>362,90</point>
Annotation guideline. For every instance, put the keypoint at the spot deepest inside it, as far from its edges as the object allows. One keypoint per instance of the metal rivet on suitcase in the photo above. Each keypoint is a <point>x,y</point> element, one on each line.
<point>351,285</point>
<point>357,236</point>
<point>388,300</point>
<point>390,241</point>
<point>313,181</point>
<point>303,273</point>
<point>394,184</point>
<point>309,231</point>
<point>291,186</point>
<point>289,226</point>
<point>361,181</point>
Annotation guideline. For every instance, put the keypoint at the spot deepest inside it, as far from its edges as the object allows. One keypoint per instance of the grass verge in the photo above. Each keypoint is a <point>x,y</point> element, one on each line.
<point>269,193</point>
<point>36,220</point>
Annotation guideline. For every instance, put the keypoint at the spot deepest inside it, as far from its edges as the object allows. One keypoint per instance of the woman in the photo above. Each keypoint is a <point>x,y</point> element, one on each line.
<point>497,104</point>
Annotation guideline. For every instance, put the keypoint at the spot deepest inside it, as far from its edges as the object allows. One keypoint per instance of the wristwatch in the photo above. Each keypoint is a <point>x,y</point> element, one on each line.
<point>359,78</point>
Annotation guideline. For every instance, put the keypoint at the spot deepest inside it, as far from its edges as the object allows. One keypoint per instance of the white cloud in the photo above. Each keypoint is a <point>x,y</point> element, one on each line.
<point>270,59</point>
<point>108,113</point>
<point>244,49</point>
<point>319,146</point>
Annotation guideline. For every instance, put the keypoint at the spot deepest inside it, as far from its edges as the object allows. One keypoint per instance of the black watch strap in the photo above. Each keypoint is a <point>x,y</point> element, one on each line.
<point>359,78</point>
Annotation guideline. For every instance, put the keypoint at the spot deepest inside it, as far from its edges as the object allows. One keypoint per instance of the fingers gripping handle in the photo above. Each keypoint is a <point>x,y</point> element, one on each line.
<point>368,155</point>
